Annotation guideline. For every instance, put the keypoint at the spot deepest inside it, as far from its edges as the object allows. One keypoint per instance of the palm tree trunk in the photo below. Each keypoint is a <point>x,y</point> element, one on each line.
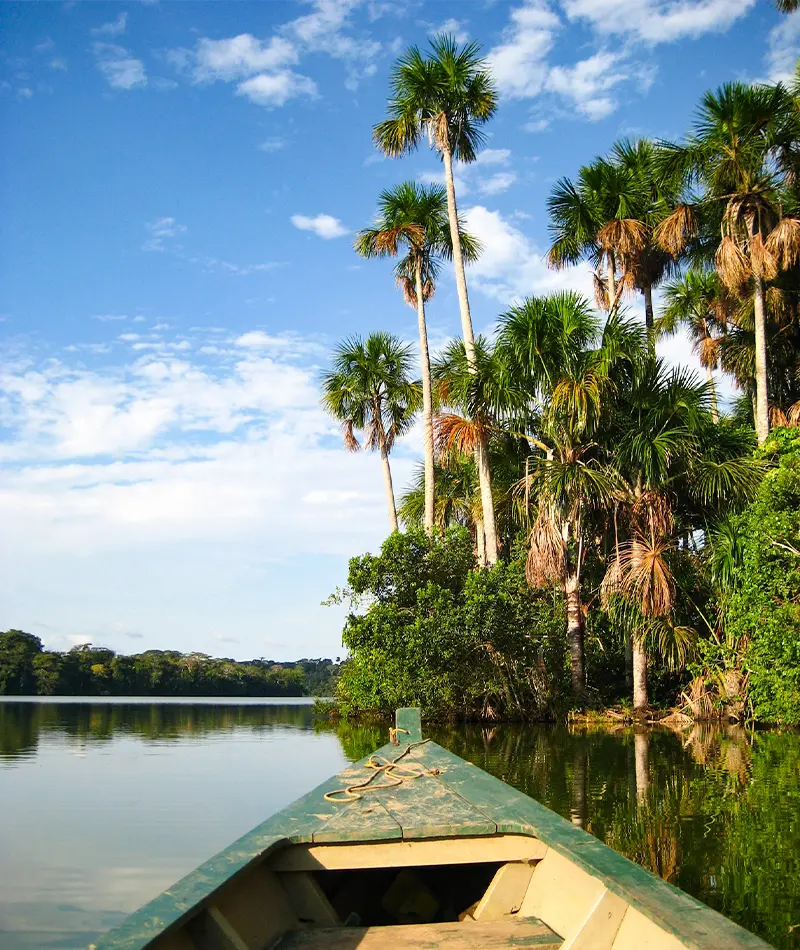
<point>572,590</point>
<point>487,501</point>
<point>485,481</point>
<point>480,543</point>
<point>639,676</point>
<point>712,389</point>
<point>762,398</point>
<point>458,259</point>
<point>647,290</point>
<point>387,477</point>
<point>612,280</point>
<point>427,402</point>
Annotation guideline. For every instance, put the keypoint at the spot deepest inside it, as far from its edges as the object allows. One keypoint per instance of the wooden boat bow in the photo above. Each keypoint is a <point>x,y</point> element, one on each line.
<point>547,882</point>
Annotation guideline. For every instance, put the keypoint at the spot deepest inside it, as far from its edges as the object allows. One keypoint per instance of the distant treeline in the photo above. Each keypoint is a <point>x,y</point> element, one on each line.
<point>27,669</point>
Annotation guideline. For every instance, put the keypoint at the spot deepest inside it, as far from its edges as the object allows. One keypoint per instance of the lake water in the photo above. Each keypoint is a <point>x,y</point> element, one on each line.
<point>103,804</point>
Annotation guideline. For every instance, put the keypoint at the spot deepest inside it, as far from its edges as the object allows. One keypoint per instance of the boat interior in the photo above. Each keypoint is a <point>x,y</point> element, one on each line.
<point>478,893</point>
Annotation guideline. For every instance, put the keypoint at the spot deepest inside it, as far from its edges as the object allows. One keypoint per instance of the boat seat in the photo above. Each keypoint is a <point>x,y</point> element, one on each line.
<point>511,931</point>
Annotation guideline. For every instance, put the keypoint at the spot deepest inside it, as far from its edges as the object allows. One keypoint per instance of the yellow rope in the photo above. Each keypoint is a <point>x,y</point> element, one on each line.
<point>390,769</point>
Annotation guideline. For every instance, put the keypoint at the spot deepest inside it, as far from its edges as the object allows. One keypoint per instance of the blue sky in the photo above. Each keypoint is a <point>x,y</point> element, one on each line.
<point>179,188</point>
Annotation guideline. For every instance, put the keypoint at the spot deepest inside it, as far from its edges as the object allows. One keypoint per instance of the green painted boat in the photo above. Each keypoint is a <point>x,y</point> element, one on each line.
<point>415,848</point>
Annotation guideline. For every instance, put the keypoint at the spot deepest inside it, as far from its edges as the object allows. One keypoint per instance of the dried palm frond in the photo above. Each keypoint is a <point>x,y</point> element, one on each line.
<point>699,698</point>
<point>406,284</point>
<point>783,243</point>
<point>351,443</point>
<point>645,576</point>
<point>439,131</point>
<point>779,305</point>
<point>627,236</point>
<point>547,556</point>
<point>777,417</point>
<point>611,583</point>
<point>600,292</point>
<point>764,264</point>
<point>793,415</point>
<point>455,432</point>
<point>428,289</point>
<point>708,352</point>
<point>732,265</point>
<point>651,514</point>
<point>675,231</point>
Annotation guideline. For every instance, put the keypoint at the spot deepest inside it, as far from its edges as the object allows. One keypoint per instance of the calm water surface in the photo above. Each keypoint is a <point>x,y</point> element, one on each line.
<point>103,804</point>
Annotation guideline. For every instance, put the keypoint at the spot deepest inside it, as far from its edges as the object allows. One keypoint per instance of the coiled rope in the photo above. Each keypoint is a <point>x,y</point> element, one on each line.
<point>393,771</point>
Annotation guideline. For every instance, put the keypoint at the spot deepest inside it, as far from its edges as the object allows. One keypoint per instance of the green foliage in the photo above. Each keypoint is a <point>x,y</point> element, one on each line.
<point>28,670</point>
<point>762,605</point>
<point>435,633</point>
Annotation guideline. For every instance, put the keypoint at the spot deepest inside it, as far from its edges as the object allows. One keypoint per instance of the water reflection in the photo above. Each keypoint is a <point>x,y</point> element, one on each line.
<point>716,811</point>
<point>112,802</point>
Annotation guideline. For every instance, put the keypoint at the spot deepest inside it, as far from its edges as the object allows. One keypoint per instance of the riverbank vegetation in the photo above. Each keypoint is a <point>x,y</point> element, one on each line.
<point>27,669</point>
<point>591,525</point>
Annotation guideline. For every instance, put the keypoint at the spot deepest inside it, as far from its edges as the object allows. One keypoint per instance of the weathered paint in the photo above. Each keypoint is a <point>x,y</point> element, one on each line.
<point>453,799</point>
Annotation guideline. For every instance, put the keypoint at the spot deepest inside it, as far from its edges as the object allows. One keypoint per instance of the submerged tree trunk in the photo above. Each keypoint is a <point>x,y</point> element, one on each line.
<point>427,403</point>
<point>641,741</point>
<point>572,590</point>
<point>639,676</point>
<point>647,290</point>
<point>762,398</point>
<point>487,501</point>
<point>387,477</point>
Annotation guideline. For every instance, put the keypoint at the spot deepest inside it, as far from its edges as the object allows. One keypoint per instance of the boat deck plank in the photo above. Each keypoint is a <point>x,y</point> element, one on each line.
<point>497,935</point>
<point>353,821</point>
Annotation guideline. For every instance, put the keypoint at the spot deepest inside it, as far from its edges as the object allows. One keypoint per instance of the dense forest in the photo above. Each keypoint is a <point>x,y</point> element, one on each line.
<point>590,526</point>
<point>27,669</point>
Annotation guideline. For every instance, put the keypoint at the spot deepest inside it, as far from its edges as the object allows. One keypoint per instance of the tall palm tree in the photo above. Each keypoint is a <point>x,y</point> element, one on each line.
<point>695,301</point>
<point>449,95</point>
<point>607,217</point>
<point>469,390</point>
<point>648,199</point>
<point>741,154</point>
<point>414,218</point>
<point>676,467</point>
<point>560,365</point>
<point>369,389</point>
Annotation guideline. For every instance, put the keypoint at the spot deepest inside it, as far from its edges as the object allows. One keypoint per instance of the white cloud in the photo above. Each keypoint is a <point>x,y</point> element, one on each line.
<point>257,339</point>
<point>121,70</point>
<point>496,184</point>
<point>241,56</point>
<point>492,156</point>
<point>523,71</point>
<point>161,229</point>
<point>519,63</point>
<point>589,82</point>
<point>162,449</point>
<point>783,49</point>
<point>274,144</point>
<point>323,225</point>
<point>262,66</point>
<point>114,28</point>
<point>511,266</point>
<point>452,26</point>
<point>537,125</point>
<point>276,89</point>
<point>658,21</point>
